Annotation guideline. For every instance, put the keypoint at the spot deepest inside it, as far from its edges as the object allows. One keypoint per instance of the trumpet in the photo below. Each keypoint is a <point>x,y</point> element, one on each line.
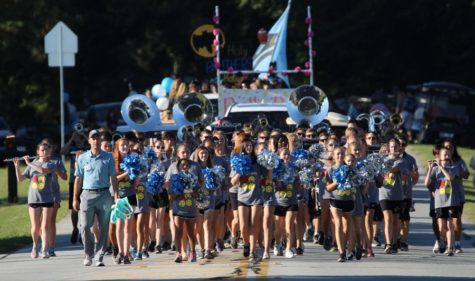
<point>18,158</point>
<point>396,120</point>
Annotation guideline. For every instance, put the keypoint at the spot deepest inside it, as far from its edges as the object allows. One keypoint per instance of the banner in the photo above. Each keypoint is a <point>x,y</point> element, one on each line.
<point>228,97</point>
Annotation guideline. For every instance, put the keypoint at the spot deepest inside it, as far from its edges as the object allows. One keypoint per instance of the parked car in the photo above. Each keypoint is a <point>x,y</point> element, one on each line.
<point>4,131</point>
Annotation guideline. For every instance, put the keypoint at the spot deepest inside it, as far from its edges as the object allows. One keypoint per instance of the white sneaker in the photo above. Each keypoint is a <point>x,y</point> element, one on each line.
<point>87,261</point>
<point>289,254</point>
<point>265,256</point>
<point>276,250</point>
<point>435,250</point>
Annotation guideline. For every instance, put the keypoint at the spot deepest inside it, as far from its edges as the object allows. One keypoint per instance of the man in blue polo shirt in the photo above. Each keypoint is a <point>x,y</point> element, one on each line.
<point>95,172</point>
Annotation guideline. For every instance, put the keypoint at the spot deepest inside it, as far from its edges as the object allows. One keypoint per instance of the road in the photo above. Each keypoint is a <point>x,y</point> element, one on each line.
<point>419,263</point>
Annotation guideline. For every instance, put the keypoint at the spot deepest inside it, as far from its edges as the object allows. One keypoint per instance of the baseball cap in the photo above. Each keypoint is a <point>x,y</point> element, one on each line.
<point>93,132</point>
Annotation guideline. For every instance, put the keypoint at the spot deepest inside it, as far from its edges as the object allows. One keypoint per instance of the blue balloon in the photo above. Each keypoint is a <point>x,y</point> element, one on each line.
<point>167,83</point>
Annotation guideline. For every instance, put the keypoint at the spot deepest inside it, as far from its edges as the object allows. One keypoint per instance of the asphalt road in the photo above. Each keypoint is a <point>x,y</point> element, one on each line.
<point>419,263</point>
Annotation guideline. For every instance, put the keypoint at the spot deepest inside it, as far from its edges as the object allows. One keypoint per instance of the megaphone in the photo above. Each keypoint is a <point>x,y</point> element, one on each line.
<point>308,104</point>
<point>140,113</point>
<point>193,108</point>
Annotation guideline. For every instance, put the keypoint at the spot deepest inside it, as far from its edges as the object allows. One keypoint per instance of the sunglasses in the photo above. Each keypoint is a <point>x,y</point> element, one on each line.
<point>310,136</point>
<point>299,134</point>
<point>159,147</point>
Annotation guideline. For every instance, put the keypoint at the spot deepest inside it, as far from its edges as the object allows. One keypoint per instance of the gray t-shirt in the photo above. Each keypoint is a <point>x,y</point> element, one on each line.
<point>56,188</point>
<point>286,195</point>
<point>372,195</point>
<point>41,186</point>
<point>249,190</point>
<point>458,182</point>
<point>347,194</point>
<point>410,166</point>
<point>444,190</point>
<point>392,186</point>
<point>184,204</point>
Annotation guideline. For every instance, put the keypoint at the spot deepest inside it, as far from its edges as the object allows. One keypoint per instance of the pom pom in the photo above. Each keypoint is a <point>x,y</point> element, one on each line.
<point>242,164</point>
<point>220,172</point>
<point>299,158</point>
<point>209,178</point>
<point>217,65</point>
<point>154,183</point>
<point>341,176</point>
<point>182,183</point>
<point>216,42</point>
<point>216,19</point>
<point>306,177</point>
<point>308,20</point>
<point>268,159</point>
<point>307,64</point>
<point>316,151</point>
<point>310,34</point>
<point>122,210</point>
<point>278,171</point>
<point>215,31</point>
<point>230,69</point>
<point>132,165</point>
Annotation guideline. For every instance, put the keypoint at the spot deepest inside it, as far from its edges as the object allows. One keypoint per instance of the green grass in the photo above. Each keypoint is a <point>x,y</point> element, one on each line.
<point>423,153</point>
<point>14,219</point>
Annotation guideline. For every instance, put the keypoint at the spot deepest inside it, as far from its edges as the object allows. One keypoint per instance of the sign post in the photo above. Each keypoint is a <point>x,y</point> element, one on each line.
<point>61,45</point>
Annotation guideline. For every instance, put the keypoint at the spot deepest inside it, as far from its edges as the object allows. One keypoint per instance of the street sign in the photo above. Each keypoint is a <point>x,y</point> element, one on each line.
<point>61,45</point>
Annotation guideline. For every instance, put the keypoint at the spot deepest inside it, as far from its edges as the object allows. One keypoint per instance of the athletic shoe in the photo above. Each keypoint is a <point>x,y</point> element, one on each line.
<point>219,245</point>
<point>193,257</point>
<point>145,253</point>
<point>436,250</point>
<point>34,253</point>
<point>289,254</point>
<point>44,255</point>
<point>321,238</point>
<point>442,246</point>
<point>234,242</point>
<point>74,236</point>
<point>259,253</point>
<point>388,249</point>
<point>316,238</point>
<point>246,250</point>
<point>358,253</point>
<point>208,255</point>
<point>350,255</point>
<point>51,252</point>
<point>376,242</point>
<point>265,256</point>
<point>118,259</point>
<point>404,247</point>
<point>178,258</point>
<point>449,253</point>
<point>87,261</point>
<point>395,247</point>
<point>138,257</point>
<point>127,260</point>
<point>327,243</point>
<point>341,258</point>
<point>333,248</point>
<point>158,249</point>
<point>100,261</point>
<point>151,246</point>
<point>133,252</point>
<point>253,257</point>
<point>458,249</point>
<point>299,251</point>
<point>369,253</point>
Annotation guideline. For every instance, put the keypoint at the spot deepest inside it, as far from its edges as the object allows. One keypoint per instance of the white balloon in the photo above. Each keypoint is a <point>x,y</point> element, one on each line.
<point>162,92</point>
<point>162,103</point>
<point>156,90</point>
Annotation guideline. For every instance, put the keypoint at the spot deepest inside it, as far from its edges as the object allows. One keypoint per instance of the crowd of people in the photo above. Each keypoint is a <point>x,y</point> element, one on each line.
<point>244,204</point>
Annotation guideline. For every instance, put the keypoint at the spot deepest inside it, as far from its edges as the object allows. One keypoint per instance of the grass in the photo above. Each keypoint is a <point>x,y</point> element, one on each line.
<point>14,219</point>
<point>423,153</point>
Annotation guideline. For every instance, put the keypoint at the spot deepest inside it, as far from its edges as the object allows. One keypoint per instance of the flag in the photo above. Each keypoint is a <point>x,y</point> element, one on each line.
<point>274,50</point>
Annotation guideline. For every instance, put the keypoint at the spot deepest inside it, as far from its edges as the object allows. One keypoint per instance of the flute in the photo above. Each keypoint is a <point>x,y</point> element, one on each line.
<point>76,151</point>
<point>19,158</point>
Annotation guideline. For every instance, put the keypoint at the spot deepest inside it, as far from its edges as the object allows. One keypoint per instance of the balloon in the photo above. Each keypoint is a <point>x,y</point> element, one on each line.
<point>162,92</point>
<point>167,83</point>
<point>162,103</point>
<point>156,90</point>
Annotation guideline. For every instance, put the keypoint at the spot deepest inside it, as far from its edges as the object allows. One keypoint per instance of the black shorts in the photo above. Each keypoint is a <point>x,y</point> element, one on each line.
<point>219,205</point>
<point>41,205</point>
<point>233,200</point>
<point>281,211</point>
<point>344,206</point>
<point>378,213</point>
<point>447,212</point>
<point>391,205</point>
<point>432,214</point>
<point>406,209</point>
<point>132,199</point>
<point>240,204</point>
<point>160,200</point>
<point>461,208</point>
<point>184,217</point>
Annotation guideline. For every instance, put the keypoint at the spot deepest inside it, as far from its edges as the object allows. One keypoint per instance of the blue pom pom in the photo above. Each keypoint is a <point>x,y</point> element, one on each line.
<point>154,183</point>
<point>242,164</point>
<point>209,180</point>
<point>300,158</point>
<point>268,159</point>
<point>340,175</point>
<point>132,165</point>
<point>279,170</point>
<point>150,155</point>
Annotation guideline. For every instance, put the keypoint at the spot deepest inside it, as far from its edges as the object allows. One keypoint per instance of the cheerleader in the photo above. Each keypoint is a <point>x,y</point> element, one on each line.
<point>249,199</point>
<point>124,228</point>
<point>440,180</point>
<point>158,219</point>
<point>286,209</point>
<point>342,199</point>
